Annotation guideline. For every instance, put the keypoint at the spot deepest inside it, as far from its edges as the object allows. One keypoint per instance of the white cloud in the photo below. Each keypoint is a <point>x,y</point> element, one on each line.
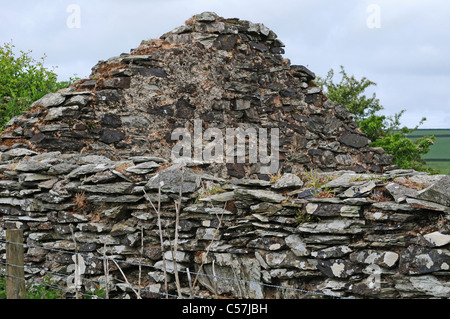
<point>407,56</point>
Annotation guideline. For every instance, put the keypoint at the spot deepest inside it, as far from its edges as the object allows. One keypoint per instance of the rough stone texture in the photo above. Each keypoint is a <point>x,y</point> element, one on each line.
<point>92,158</point>
<point>439,192</point>
<point>228,73</point>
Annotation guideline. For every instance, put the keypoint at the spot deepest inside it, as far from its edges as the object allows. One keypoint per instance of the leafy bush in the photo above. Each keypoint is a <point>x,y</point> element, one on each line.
<point>23,80</point>
<point>383,131</point>
<point>48,289</point>
<point>2,287</point>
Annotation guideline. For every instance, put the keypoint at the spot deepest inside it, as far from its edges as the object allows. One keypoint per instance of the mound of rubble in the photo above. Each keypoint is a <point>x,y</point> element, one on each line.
<point>89,170</point>
<point>224,73</point>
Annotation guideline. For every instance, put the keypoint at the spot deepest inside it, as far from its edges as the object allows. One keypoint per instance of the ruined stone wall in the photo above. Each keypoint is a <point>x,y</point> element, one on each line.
<point>226,73</point>
<point>334,234</point>
<point>334,219</point>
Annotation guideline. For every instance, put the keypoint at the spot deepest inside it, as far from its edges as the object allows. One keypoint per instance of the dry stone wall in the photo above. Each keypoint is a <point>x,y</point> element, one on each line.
<point>339,234</point>
<point>226,73</point>
<point>87,167</point>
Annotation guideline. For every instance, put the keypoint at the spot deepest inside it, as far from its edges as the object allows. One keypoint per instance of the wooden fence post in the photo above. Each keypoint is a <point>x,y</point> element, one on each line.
<point>15,274</point>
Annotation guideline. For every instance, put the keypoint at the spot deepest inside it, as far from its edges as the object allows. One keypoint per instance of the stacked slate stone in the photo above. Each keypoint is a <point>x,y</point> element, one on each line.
<point>88,169</point>
<point>334,234</point>
<point>229,73</point>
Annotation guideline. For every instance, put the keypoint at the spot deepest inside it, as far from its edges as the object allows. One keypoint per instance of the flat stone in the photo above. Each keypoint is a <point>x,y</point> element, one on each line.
<point>333,226</point>
<point>16,152</point>
<point>61,112</point>
<point>136,122</point>
<point>416,260</point>
<point>94,227</point>
<point>332,252</point>
<point>30,165</point>
<point>358,201</point>
<point>388,240</point>
<point>349,180</point>
<point>110,136</point>
<point>350,211</point>
<point>143,168</point>
<point>114,188</point>
<point>288,180</point>
<point>51,198</point>
<point>207,234</point>
<point>437,239</point>
<point>382,258</point>
<point>94,159</point>
<point>258,46</point>
<point>219,198</point>
<point>30,178</point>
<point>285,259</point>
<point>354,140</point>
<point>423,204</point>
<point>11,185</point>
<point>109,95</point>
<point>60,244</point>
<point>428,285</point>
<point>400,192</point>
<point>57,143</point>
<point>339,268</point>
<point>206,16</point>
<point>344,159</point>
<point>439,192</point>
<point>296,244</point>
<point>261,195</point>
<point>122,228</point>
<point>170,180</point>
<point>356,191</point>
<point>141,159</point>
<point>267,243</point>
<point>242,105</point>
<point>53,127</point>
<point>251,182</point>
<point>83,237</point>
<point>50,100</point>
<point>98,199</point>
<point>266,208</point>
<point>79,100</point>
<point>323,209</point>
<point>393,206</point>
<point>299,157</point>
<point>88,169</point>
<point>200,208</point>
<point>423,179</point>
<point>62,168</point>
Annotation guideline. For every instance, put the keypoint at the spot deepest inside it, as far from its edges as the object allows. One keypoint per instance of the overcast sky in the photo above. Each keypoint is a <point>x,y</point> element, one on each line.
<point>402,45</point>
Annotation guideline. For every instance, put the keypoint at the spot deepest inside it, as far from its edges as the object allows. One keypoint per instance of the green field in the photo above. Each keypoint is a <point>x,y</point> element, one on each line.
<point>439,155</point>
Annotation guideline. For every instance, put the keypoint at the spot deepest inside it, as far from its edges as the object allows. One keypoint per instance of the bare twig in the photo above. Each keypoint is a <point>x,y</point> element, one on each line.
<point>126,280</point>
<point>175,241</point>
<point>158,213</point>
<point>208,248</point>
<point>214,279</point>
<point>76,261</point>
<point>140,260</point>
<point>106,270</point>
<point>191,288</point>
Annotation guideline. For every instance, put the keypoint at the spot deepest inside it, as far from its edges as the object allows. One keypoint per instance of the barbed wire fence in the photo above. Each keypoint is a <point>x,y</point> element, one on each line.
<point>109,284</point>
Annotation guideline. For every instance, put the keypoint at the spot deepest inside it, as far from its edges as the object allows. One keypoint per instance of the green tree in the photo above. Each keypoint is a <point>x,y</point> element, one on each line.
<point>383,131</point>
<point>349,92</point>
<point>23,80</point>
